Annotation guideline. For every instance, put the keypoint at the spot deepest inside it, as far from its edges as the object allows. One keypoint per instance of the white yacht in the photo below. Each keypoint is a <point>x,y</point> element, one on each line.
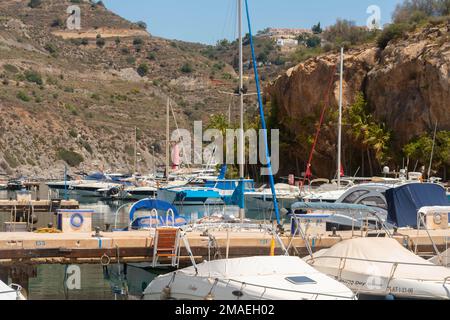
<point>253,278</point>
<point>262,199</point>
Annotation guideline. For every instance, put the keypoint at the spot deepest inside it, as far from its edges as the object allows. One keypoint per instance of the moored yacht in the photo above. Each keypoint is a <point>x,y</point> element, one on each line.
<point>253,278</point>
<point>382,267</point>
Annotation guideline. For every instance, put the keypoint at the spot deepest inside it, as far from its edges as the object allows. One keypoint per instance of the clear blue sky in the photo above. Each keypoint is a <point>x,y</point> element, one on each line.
<point>207,21</point>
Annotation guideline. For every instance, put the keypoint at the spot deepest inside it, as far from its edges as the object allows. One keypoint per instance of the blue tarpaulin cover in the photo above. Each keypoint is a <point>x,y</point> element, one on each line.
<point>404,202</point>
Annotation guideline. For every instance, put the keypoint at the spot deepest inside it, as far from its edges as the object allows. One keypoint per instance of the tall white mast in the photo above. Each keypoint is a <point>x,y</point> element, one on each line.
<point>135,150</point>
<point>241,152</point>
<point>339,151</point>
<point>241,93</point>
<point>432,151</point>
<point>168,139</point>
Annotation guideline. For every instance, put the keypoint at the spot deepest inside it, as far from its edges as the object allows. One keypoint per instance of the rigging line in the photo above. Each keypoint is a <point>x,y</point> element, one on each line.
<point>322,117</point>
<point>227,18</point>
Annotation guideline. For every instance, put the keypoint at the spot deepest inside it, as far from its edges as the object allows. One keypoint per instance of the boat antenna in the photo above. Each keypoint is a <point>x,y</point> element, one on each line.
<point>263,120</point>
<point>432,150</point>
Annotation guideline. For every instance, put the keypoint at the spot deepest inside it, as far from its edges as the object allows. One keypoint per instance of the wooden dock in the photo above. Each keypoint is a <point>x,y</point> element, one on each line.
<point>137,246</point>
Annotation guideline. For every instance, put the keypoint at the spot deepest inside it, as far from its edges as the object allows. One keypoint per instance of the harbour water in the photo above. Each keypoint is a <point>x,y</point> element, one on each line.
<point>49,282</point>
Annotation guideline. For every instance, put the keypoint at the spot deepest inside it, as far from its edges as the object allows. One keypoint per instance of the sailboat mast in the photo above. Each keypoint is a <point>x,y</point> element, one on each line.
<point>432,150</point>
<point>339,151</point>
<point>135,150</point>
<point>168,139</point>
<point>241,152</point>
<point>241,93</point>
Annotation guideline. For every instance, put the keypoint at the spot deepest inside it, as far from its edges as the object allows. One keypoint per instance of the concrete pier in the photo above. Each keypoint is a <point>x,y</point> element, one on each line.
<point>137,246</point>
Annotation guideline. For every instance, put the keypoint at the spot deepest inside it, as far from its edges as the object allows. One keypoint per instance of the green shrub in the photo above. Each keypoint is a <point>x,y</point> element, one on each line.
<point>100,42</point>
<point>23,96</point>
<point>72,158</point>
<point>138,42</point>
<point>151,56</point>
<point>33,76</point>
<point>34,3</point>
<point>51,48</point>
<point>11,68</point>
<point>143,69</point>
<point>391,32</point>
<point>131,60</point>
<point>11,160</point>
<point>58,22</point>
<point>141,24</point>
<point>73,133</point>
<point>186,68</point>
<point>85,41</point>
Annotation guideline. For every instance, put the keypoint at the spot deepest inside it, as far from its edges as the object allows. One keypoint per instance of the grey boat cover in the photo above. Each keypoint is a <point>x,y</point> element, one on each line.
<point>405,201</point>
<point>445,259</point>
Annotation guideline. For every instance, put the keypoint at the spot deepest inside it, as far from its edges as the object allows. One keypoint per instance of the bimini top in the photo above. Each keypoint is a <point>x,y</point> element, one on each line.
<point>405,201</point>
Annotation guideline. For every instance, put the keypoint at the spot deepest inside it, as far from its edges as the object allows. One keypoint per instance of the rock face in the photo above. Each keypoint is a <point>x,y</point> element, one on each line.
<point>406,85</point>
<point>409,88</point>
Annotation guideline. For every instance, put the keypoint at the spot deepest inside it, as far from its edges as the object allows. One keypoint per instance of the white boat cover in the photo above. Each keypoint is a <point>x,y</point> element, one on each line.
<point>251,266</point>
<point>377,257</point>
<point>445,259</point>
<point>6,293</point>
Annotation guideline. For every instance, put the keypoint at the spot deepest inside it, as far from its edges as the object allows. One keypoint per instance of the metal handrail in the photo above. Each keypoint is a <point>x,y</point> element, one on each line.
<point>227,282</point>
<point>170,212</point>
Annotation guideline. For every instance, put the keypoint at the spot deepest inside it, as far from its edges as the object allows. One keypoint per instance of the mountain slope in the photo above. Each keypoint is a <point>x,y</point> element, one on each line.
<point>66,97</point>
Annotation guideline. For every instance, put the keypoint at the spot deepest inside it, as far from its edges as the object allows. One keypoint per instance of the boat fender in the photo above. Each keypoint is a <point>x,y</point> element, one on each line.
<point>165,293</point>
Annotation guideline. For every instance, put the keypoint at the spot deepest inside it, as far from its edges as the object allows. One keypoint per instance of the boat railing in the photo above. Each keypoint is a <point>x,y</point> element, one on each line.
<point>395,265</point>
<point>315,295</point>
<point>171,214</point>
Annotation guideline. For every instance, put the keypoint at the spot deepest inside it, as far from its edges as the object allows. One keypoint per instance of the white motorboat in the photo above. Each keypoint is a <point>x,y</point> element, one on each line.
<point>96,189</point>
<point>12,292</point>
<point>382,267</point>
<point>262,199</point>
<point>139,193</point>
<point>253,278</point>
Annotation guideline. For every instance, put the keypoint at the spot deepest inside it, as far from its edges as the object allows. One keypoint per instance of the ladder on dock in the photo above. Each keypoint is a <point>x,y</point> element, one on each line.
<point>167,246</point>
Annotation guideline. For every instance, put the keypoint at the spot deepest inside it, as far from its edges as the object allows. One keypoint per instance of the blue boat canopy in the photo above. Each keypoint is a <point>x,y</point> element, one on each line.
<point>331,206</point>
<point>404,202</point>
<point>152,219</point>
<point>151,204</point>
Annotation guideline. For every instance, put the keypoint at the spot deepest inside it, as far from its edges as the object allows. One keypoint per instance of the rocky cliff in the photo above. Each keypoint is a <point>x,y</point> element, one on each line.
<point>406,86</point>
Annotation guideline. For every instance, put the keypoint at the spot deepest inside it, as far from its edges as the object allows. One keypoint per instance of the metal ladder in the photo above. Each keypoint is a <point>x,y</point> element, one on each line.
<point>166,245</point>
